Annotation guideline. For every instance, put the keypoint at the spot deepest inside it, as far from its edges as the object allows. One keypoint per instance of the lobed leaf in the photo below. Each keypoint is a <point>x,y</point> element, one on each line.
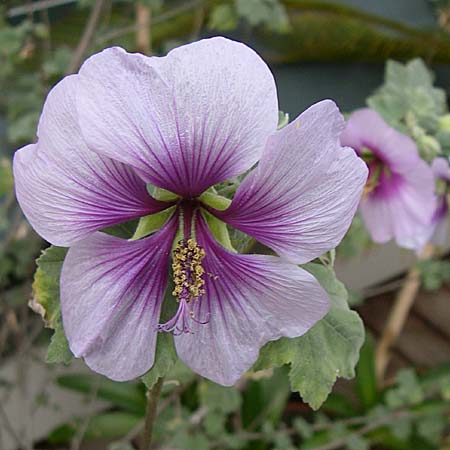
<point>329,350</point>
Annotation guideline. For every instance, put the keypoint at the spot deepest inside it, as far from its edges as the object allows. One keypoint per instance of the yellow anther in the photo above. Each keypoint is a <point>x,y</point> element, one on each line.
<point>188,270</point>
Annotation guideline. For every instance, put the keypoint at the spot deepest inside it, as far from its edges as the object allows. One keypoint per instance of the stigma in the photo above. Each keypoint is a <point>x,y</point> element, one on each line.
<point>188,278</point>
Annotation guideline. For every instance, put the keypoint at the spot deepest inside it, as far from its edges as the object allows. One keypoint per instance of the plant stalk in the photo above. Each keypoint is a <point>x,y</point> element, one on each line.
<point>150,414</point>
<point>398,315</point>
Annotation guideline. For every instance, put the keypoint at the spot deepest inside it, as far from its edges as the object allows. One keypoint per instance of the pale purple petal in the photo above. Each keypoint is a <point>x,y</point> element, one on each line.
<point>403,212</point>
<point>365,128</point>
<point>301,198</point>
<point>66,191</point>
<point>441,169</point>
<point>111,295</point>
<point>196,117</point>
<point>249,300</point>
<point>403,202</point>
<point>441,232</point>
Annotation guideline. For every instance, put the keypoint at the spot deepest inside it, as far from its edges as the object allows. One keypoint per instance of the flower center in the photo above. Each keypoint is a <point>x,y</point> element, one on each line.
<point>188,278</point>
<point>188,270</point>
<point>378,171</point>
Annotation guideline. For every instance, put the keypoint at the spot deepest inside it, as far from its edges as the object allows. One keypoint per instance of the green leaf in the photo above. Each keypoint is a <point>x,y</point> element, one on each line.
<point>46,301</point>
<point>223,18</point>
<point>128,396</point>
<point>366,383</point>
<point>408,92</point>
<point>219,398</point>
<point>123,230</point>
<point>432,427</point>
<point>111,425</point>
<point>407,391</point>
<point>151,223</point>
<point>355,442</point>
<point>6,177</point>
<point>330,349</point>
<point>265,398</point>
<point>270,13</point>
<point>58,351</point>
<point>165,359</point>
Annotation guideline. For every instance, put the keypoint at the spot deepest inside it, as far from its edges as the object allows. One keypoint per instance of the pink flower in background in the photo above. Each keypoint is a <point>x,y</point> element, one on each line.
<point>205,113</point>
<point>398,202</point>
<point>439,229</point>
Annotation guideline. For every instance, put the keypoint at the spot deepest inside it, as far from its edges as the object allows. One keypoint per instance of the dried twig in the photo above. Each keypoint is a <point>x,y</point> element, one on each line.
<point>398,315</point>
<point>160,18</point>
<point>143,28</point>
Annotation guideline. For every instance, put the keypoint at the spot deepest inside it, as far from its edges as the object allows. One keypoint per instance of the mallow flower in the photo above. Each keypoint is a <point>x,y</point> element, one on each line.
<point>439,229</point>
<point>398,200</point>
<point>203,114</point>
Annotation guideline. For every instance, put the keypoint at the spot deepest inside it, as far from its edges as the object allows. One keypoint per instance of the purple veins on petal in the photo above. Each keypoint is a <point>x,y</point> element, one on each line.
<point>301,198</point>
<point>65,190</point>
<point>249,300</point>
<point>186,121</point>
<point>111,295</point>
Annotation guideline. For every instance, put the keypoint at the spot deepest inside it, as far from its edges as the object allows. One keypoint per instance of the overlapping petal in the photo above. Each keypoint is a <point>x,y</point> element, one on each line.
<point>301,198</point>
<point>186,121</point>
<point>249,300</point>
<point>402,210</point>
<point>111,295</point>
<point>67,191</point>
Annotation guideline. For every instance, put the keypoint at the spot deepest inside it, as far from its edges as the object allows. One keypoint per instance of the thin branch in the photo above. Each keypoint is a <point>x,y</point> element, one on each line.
<point>32,7</point>
<point>373,425</point>
<point>87,36</point>
<point>143,28</point>
<point>160,18</point>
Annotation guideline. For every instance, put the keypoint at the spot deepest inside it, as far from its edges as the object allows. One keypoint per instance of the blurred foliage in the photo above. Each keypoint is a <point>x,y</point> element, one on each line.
<point>435,274</point>
<point>410,414</point>
<point>409,102</point>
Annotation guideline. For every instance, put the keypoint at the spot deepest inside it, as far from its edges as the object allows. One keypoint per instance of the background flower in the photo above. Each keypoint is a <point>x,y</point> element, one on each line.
<point>398,202</point>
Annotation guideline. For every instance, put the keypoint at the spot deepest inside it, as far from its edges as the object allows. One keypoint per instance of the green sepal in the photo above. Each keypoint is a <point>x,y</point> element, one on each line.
<point>151,223</point>
<point>215,201</point>
<point>330,349</point>
<point>283,119</point>
<point>219,230</point>
<point>163,195</point>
